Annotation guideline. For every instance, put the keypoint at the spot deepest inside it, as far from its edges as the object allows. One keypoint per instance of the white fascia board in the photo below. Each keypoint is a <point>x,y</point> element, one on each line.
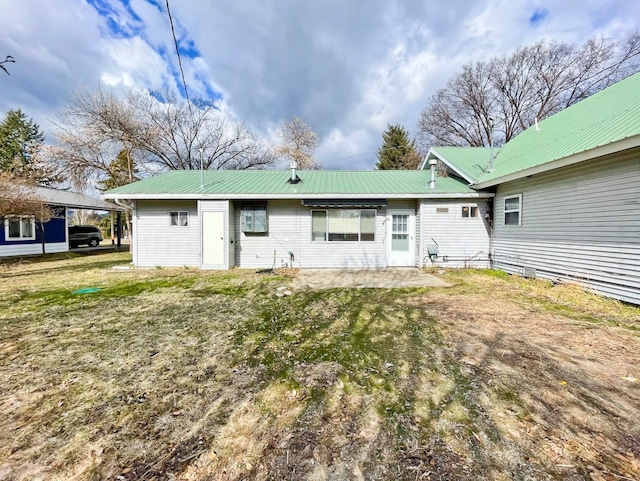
<point>470,195</point>
<point>619,146</point>
<point>450,165</point>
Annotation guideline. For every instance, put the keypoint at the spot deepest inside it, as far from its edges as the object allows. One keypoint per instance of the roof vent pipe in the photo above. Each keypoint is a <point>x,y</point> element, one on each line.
<point>294,172</point>
<point>490,144</point>
<point>432,168</point>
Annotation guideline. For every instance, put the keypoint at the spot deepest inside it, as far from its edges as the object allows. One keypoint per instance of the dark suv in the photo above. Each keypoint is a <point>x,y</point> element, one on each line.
<point>84,234</point>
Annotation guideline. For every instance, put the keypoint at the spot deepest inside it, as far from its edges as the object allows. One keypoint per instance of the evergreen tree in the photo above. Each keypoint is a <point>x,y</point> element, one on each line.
<point>20,141</point>
<point>397,150</point>
<point>121,171</point>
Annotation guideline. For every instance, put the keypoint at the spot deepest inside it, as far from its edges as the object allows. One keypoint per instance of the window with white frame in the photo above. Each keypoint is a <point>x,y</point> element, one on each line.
<point>469,211</point>
<point>179,218</point>
<point>20,228</point>
<point>253,219</point>
<point>339,225</point>
<point>513,210</point>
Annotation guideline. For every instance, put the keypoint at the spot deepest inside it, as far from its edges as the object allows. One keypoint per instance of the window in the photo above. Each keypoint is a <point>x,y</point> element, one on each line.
<point>512,210</point>
<point>179,218</point>
<point>469,211</point>
<point>339,225</point>
<point>19,228</point>
<point>254,219</point>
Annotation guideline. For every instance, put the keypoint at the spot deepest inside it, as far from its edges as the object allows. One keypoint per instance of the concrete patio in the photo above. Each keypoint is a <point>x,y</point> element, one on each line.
<point>358,278</point>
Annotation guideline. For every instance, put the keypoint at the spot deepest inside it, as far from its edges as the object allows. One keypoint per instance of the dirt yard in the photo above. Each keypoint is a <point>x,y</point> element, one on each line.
<point>176,374</point>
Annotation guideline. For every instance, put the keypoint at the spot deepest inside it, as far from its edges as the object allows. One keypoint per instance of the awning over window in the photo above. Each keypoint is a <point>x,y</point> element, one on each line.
<point>345,203</point>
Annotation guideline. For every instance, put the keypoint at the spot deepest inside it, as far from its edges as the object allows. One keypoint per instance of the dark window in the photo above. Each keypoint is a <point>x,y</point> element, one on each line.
<point>469,211</point>
<point>179,218</point>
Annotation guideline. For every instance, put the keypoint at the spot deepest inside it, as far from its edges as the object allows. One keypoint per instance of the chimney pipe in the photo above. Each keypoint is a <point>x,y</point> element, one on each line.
<point>294,172</point>
<point>491,144</point>
<point>432,168</point>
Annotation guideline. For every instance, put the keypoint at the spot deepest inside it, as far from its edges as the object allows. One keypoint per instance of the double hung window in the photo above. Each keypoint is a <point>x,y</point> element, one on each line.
<point>20,228</point>
<point>513,210</point>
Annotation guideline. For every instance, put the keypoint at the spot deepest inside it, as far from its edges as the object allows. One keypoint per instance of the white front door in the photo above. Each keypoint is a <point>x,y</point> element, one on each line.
<point>400,237</point>
<point>213,239</point>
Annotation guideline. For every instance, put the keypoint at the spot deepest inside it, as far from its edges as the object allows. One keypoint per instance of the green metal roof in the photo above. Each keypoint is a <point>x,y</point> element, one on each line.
<point>470,162</point>
<point>274,184</point>
<point>609,116</point>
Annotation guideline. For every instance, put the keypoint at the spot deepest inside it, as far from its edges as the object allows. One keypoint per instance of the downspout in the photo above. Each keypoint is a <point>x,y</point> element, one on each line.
<point>119,231</point>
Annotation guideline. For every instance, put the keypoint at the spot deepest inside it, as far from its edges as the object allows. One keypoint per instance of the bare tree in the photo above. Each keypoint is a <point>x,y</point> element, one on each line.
<point>157,133</point>
<point>7,59</point>
<point>298,142</point>
<point>496,100</point>
<point>82,217</point>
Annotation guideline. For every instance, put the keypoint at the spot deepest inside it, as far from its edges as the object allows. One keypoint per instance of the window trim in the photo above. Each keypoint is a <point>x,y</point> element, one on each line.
<point>511,211</point>
<point>472,209</point>
<point>178,212</point>
<point>253,209</point>
<point>326,225</point>
<point>19,218</point>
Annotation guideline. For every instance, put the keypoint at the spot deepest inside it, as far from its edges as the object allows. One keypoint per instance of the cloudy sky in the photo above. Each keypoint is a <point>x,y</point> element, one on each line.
<point>347,68</point>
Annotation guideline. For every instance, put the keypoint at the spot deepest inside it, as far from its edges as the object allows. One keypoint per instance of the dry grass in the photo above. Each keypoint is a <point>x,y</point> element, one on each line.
<point>182,374</point>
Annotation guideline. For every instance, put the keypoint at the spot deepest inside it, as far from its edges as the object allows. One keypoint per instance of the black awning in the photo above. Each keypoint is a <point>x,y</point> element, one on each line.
<point>345,203</point>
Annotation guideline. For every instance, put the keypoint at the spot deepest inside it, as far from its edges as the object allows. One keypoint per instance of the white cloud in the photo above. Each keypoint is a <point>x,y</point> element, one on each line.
<point>347,68</point>
<point>134,59</point>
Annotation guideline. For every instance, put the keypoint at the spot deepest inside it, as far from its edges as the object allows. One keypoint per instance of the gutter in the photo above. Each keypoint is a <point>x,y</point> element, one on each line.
<point>389,196</point>
<point>592,154</point>
<point>118,202</point>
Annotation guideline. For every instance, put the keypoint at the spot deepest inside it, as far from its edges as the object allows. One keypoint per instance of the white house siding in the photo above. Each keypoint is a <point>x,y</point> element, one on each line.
<point>343,254</point>
<point>289,224</point>
<point>462,242</point>
<point>157,243</point>
<point>579,223</point>
<point>32,249</point>
<point>419,240</point>
<point>264,251</point>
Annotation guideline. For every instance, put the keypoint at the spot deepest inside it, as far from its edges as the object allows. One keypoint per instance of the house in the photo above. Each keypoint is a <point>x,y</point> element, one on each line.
<point>273,218</point>
<point>560,201</point>
<point>567,193</point>
<point>23,235</point>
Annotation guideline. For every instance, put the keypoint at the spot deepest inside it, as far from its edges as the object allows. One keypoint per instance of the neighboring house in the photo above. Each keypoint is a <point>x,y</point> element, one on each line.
<point>567,193</point>
<point>264,219</point>
<point>559,201</point>
<point>22,235</point>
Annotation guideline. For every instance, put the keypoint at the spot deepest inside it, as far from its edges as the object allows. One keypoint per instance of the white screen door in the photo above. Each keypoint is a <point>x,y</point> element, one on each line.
<point>400,235</point>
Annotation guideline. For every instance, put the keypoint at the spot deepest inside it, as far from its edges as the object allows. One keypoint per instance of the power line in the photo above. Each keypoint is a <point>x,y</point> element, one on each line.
<point>360,155</point>
<point>175,42</point>
<point>348,157</point>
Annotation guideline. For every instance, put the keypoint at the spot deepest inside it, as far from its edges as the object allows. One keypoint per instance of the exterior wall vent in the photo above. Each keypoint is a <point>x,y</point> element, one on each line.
<point>529,273</point>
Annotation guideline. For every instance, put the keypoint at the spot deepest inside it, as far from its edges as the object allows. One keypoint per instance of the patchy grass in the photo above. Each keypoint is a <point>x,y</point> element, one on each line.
<point>183,374</point>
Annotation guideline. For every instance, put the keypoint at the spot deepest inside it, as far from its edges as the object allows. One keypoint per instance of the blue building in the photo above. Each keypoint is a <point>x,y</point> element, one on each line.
<point>23,234</point>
